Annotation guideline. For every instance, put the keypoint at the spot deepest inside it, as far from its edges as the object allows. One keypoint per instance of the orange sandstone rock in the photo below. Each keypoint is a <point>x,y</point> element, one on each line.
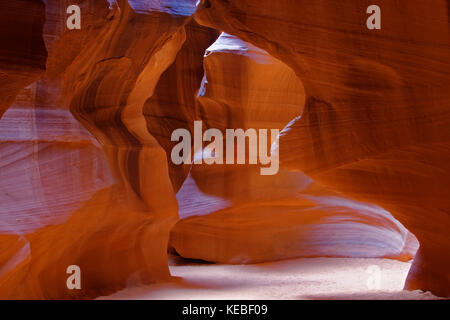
<point>172,105</point>
<point>376,124</point>
<point>232,214</point>
<point>99,198</point>
<point>85,177</point>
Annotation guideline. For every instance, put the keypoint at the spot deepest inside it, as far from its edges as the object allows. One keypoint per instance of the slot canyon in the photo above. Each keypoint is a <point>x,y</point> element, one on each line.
<point>86,123</point>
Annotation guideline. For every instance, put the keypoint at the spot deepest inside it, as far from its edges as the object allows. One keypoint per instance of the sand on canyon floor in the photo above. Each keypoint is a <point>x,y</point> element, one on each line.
<point>306,278</point>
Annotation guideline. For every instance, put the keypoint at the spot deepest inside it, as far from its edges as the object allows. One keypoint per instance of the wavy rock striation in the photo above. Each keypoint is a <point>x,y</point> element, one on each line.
<point>112,213</point>
<point>376,124</point>
<point>85,177</point>
<point>172,105</point>
<point>232,214</point>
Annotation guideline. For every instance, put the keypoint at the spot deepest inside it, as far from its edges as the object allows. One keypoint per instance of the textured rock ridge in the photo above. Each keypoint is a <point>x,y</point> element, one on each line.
<point>86,118</point>
<point>376,124</point>
<point>232,214</point>
<point>117,233</point>
<point>172,105</point>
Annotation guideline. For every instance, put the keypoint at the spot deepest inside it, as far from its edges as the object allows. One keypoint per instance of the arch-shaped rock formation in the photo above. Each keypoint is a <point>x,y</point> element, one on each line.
<point>376,125</point>
<point>232,214</point>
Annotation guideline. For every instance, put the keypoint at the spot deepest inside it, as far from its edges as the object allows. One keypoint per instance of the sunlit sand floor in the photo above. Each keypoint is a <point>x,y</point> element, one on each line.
<point>312,278</point>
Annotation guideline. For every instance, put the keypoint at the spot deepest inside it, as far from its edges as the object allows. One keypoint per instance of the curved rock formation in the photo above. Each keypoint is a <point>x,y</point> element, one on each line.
<point>84,174</point>
<point>22,52</point>
<point>232,214</point>
<point>286,223</point>
<point>58,168</point>
<point>244,87</point>
<point>376,125</point>
<point>117,229</point>
<point>172,105</point>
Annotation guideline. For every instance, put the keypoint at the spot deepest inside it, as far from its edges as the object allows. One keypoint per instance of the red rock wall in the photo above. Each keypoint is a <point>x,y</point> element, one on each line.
<point>232,214</point>
<point>376,123</point>
<point>22,51</point>
<point>85,176</point>
<point>99,197</point>
<point>172,105</point>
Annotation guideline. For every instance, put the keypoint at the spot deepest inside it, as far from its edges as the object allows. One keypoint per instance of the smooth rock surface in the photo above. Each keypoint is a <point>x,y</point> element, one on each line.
<point>85,171</point>
<point>376,124</point>
<point>173,105</point>
<point>232,214</point>
<point>97,196</point>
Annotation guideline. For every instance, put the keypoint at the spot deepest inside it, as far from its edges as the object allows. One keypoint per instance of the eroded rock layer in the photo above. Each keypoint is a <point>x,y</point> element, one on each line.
<point>22,50</point>
<point>86,177</point>
<point>99,198</point>
<point>376,124</point>
<point>233,214</point>
<point>287,224</point>
<point>172,105</point>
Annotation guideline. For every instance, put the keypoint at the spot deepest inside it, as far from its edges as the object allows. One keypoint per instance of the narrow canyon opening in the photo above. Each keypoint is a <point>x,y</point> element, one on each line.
<point>87,179</point>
